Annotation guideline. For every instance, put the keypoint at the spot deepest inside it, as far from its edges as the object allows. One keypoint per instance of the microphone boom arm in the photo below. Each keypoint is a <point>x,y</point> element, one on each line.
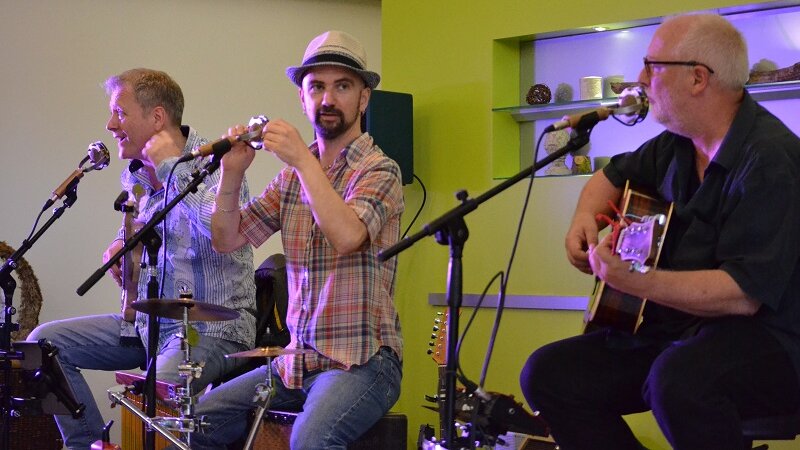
<point>451,229</point>
<point>468,205</point>
<point>134,240</point>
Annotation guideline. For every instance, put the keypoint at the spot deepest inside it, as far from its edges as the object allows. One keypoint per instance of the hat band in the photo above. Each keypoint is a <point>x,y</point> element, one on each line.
<point>332,58</point>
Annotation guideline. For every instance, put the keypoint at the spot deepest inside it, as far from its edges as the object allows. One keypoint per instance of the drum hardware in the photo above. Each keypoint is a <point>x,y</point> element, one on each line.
<point>117,396</point>
<point>184,309</point>
<point>264,391</point>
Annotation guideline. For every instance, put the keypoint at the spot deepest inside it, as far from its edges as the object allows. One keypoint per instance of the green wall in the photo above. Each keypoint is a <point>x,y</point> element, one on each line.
<point>447,54</point>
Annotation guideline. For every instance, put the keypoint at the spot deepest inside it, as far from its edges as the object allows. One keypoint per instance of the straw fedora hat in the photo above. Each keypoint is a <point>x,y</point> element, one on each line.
<point>334,48</point>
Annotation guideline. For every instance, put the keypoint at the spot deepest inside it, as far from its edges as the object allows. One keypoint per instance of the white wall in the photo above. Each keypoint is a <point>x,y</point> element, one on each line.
<point>229,57</point>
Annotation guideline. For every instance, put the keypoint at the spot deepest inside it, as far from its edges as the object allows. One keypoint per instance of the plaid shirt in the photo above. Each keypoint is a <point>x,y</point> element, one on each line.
<point>339,305</point>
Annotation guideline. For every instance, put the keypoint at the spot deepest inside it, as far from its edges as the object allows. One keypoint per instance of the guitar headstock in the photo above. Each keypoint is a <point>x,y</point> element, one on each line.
<point>438,343</point>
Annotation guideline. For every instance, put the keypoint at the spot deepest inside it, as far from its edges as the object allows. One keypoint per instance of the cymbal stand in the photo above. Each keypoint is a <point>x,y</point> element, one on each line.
<point>264,393</point>
<point>186,423</point>
<point>188,370</point>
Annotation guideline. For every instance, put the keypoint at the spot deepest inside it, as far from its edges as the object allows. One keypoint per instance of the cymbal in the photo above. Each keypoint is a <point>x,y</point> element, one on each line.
<point>173,309</point>
<point>269,352</point>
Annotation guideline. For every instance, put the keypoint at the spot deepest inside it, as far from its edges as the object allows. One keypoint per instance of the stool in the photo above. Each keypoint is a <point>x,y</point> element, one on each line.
<point>772,428</point>
<point>389,433</point>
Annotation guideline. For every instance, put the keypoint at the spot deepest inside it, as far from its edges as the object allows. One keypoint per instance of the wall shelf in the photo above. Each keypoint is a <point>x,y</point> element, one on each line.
<point>528,113</point>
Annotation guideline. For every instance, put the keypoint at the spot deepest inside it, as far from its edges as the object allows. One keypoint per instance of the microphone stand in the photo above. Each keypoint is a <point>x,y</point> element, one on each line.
<point>450,229</point>
<point>7,327</point>
<point>148,236</point>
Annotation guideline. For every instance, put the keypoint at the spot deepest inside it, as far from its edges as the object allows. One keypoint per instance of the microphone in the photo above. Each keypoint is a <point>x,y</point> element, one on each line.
<point>99,157</point>
<point>632,102</point>
<point>222,146</point>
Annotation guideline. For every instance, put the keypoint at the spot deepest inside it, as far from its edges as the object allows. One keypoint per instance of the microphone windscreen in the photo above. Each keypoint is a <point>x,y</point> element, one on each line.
<point>99,155</point>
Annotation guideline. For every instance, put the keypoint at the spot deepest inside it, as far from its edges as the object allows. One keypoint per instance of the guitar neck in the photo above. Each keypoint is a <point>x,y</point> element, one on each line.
<point>441,399</point>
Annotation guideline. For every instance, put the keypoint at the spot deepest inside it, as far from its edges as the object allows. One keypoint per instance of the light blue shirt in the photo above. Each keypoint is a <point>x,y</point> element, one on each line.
<point>220,279</point>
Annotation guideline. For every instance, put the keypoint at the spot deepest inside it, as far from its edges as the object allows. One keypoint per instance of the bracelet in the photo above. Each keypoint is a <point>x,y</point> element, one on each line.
<point>218,208</point>
<point>228,193</point>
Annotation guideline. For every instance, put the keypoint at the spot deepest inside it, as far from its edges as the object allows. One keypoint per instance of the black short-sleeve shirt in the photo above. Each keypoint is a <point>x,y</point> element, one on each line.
<point>743,218</point>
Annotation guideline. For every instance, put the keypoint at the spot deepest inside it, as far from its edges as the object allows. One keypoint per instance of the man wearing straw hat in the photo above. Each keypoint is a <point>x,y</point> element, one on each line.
<point>337,204</point>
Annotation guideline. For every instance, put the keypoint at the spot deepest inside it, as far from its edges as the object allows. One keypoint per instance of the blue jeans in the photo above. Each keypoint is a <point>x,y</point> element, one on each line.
<point>336,406</point>
<point>93,342</point>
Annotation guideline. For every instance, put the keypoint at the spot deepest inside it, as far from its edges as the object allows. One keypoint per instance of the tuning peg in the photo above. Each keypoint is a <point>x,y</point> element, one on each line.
<point>435,328</point>
<point>430,351</point>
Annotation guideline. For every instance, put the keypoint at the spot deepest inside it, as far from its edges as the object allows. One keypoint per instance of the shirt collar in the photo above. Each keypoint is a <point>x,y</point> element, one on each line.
<point>353,152</point>
<point>730,150</point>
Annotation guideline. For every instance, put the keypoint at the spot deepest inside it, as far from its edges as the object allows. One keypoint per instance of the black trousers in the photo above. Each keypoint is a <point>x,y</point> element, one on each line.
<point>698,388</point>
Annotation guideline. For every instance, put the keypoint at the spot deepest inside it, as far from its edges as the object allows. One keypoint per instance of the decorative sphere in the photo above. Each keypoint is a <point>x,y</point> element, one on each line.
<point>564,93</point>
<point>538,94</point>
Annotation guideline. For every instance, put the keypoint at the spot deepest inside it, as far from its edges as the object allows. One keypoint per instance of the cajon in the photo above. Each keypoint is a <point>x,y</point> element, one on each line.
<point>132,430</point>
<point>390,433</point>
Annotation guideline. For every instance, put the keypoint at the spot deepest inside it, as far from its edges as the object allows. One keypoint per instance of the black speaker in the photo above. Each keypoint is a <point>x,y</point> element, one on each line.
<point>389,119</point>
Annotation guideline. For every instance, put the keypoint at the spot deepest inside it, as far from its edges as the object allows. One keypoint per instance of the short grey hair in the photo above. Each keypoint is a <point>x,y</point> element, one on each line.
<point>151,88</point>
<point>712,40</point>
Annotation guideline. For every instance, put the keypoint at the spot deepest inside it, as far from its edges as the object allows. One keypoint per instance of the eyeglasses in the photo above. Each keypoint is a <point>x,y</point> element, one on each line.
<point>648,63</point>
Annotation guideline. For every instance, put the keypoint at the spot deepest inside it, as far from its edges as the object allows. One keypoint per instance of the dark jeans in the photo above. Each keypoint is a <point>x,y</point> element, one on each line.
<point>698,388</point>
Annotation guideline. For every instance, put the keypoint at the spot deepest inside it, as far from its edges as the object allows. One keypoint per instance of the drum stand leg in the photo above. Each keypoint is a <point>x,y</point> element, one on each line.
<point>264,393</point>
<point>188,370</point>
<point>117,395</point>
<point>187,423</point>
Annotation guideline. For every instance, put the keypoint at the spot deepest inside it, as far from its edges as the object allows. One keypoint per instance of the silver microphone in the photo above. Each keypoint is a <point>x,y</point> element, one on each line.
<point>632,103</point>
<point>222,146</point>
<point>98,155</point>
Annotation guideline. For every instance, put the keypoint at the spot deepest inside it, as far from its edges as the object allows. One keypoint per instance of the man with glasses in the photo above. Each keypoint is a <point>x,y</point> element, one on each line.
<point>720,337</point>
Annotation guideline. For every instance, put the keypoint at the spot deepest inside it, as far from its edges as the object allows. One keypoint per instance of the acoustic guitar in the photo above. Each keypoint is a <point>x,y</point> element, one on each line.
<point>128,204</point>
<point>637,235</point>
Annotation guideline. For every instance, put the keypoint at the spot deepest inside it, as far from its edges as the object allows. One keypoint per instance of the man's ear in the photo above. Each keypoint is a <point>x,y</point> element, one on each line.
<point>364,101</point>
<point>160,118</point>
<point>701,79</point>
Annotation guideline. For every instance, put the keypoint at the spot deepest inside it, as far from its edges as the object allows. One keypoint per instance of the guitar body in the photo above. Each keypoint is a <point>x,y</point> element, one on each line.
<point>640,241</point>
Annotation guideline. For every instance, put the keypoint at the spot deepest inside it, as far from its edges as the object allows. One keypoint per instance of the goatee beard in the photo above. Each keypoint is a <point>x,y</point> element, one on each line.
<point>330,132</point>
